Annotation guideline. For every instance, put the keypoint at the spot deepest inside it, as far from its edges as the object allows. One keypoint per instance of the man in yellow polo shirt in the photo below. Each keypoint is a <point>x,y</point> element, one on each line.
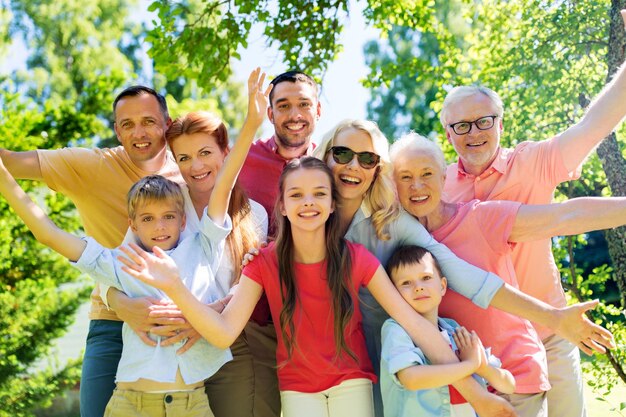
<point>97,180</point>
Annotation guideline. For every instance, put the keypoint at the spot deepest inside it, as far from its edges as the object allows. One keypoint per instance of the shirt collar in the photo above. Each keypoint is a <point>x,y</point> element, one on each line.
<point>499,164</point>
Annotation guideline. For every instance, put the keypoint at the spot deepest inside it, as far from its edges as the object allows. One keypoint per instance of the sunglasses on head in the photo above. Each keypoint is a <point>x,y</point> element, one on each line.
<point>343,155</point>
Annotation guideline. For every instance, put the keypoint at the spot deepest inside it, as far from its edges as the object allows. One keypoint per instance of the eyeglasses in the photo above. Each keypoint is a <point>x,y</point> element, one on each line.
<point>343,155</point>
<point>463,128</point>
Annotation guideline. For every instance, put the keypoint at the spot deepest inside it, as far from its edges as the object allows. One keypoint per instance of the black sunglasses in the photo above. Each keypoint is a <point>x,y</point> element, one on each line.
<point>343,155</point>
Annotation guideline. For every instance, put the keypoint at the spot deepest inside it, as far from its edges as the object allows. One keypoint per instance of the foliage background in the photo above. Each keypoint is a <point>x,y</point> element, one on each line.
<point>546,58</point>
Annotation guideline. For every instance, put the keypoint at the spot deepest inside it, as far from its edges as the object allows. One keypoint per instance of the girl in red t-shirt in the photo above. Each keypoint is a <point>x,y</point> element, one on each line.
<point>311,276</point>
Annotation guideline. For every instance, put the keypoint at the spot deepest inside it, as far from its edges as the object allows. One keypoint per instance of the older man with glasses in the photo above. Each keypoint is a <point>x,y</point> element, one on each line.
<point>529,173</point>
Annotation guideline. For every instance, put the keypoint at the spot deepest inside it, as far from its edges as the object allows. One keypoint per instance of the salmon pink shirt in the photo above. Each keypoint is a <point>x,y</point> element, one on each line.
<point>313,365</point>
<point>529,173</point>
<point>479,233</point>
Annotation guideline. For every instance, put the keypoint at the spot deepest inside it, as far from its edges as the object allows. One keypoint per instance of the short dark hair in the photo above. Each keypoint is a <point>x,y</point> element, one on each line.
<point>292,77</point>
<point>137,90</point>
<point>409,255</point>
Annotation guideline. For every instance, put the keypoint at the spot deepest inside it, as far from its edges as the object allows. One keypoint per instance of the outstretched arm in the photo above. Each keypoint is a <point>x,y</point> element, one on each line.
<point>257,107</point>
<point>571,217</point>
<point>44,229</point>
<point>160,271</point>
<point>568,322</point>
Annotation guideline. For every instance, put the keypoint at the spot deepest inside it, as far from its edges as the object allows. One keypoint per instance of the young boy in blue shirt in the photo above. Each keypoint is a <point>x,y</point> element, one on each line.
<point>410,385</point>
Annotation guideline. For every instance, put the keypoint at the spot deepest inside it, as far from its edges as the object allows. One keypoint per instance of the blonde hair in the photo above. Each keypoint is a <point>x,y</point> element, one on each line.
<point>245,234</point>
<point>154,188</point>
<point>462,92</point>
<point>380,199</point>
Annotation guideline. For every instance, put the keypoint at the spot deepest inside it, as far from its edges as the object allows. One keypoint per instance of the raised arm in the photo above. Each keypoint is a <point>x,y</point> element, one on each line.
<point>257,107</point>
<point>22,165</point>
<point>44,229</point>
<point>160,271</point>
<point>602,116</point>
<point>572,217</point>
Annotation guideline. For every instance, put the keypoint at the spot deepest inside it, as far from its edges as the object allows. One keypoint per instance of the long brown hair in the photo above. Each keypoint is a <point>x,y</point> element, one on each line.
<point>245,233</point>
<point>338,264</point>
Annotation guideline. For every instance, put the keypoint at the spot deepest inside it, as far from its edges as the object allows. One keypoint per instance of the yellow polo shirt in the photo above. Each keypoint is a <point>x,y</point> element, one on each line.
<point>97,181</point>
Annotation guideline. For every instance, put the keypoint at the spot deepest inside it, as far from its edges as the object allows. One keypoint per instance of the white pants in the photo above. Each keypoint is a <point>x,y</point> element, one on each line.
<point>529,405</point>
<point>566,396</point>
<point>351,398</point>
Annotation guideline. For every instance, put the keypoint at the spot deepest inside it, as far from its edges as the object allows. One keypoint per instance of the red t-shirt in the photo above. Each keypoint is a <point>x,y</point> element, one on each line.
<point>312,366</point>
<point>259,178</point>
<point>529,174</point>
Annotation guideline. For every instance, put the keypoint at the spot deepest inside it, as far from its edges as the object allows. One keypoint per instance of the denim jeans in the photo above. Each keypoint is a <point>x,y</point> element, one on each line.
<point>102,355</point>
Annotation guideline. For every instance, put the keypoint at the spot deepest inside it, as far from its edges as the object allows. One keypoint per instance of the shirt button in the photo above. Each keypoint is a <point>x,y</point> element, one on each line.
<point>168,399</point>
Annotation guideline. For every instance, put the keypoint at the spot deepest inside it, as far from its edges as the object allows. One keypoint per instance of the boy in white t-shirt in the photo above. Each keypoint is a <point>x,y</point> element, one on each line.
<point>410,385</point>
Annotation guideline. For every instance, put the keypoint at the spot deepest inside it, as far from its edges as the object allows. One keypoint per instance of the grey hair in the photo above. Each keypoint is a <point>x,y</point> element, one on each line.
<point>418,143</point>
<point>462,92</point>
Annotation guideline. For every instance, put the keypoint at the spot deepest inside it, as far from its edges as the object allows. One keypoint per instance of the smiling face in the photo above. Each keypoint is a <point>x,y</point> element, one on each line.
<point>478,148</point>
<point>307,199</point>
<point>419,179</point>
<point>140,128</point>
<point>199,158</point>
<point>353,181</point>
<point>421,285</point>
<point>158,223</point>
<point>294,111</point>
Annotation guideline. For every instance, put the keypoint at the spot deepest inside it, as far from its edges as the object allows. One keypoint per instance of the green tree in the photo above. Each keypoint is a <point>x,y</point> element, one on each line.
<point>75,62</point>
<point>39,291</point>
<point>401,102</point>
<point>198,39</point>
<point>79,56</point>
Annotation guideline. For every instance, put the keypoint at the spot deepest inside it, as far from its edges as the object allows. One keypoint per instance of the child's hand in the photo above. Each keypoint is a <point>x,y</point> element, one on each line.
<point>484,363</point>
<point>469,345</point>
<point>257,99</point>
<point>156,269</point>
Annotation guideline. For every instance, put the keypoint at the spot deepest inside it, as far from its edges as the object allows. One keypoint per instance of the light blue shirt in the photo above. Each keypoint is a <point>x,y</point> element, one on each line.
<point>474,283</point>
<point>224,275</point>
<point>196,256</point>
<point>399,353</point>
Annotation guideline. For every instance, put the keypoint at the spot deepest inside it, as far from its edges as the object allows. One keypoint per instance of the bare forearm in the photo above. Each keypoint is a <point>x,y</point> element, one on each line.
<point>204,319</point>
<point>434,376</point>
<point>44,229</point>
<point>602,116</point>
<point>515,302</point>
<point>218,204</point>
<point>499,378</point>
<point>571,217</point>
